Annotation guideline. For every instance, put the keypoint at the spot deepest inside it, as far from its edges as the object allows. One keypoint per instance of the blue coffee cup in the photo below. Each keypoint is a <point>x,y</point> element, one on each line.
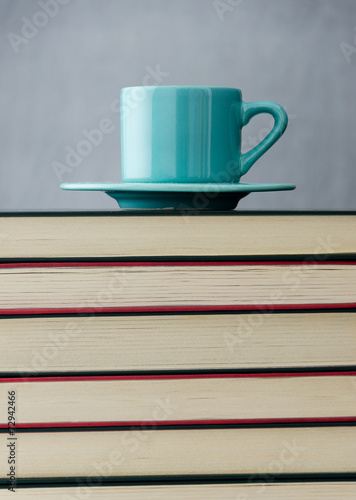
<point>190,134</point>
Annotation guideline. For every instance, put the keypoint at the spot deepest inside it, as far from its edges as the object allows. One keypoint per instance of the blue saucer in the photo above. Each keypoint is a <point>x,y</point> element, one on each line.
<point>194,196</point>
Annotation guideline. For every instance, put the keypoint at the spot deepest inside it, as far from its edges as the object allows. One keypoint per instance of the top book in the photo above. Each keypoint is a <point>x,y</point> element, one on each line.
<point>155,234</point>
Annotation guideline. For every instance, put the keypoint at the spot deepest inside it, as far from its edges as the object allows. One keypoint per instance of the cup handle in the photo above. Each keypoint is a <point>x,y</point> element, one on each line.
<point>250,109</point>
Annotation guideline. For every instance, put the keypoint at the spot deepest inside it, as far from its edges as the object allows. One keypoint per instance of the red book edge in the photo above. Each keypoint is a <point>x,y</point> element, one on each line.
<point>154,425</point>
<point>156,309</point>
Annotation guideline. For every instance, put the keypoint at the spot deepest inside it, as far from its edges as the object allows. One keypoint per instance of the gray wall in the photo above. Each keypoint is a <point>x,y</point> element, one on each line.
<point>62,78</point>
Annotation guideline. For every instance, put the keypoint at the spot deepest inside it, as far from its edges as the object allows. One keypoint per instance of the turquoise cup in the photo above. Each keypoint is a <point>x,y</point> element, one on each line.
<point>190,134</point>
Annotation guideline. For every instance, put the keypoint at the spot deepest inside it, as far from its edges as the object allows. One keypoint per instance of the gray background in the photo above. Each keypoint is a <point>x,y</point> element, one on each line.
<point>299,53</point>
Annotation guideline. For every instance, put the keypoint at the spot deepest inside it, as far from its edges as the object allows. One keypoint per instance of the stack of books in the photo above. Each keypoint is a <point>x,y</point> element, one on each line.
<point>171,355</point>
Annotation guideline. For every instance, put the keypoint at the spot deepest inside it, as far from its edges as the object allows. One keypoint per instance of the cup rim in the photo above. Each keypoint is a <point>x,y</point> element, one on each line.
<point>203,87</point>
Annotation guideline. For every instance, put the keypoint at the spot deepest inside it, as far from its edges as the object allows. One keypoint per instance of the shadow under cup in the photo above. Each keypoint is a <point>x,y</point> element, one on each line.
<point>189,134</point>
